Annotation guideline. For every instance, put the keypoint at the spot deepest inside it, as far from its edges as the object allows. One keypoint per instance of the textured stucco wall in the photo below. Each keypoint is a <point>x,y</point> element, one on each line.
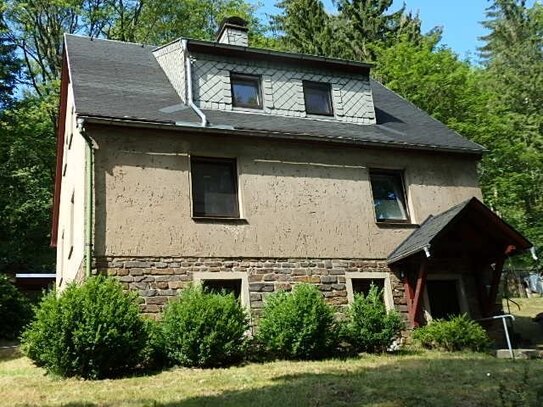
<point>282,90</point>
<point>69,259</point>
<point>298,200</point>
<point>172,61</point>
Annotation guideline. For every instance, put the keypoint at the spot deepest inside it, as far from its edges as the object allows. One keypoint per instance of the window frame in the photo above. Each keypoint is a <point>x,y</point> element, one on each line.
<point>370,275</point>
<point>322,85</point>
<point>234,163</point>
<point>401,175</point>
<point>248,78</point>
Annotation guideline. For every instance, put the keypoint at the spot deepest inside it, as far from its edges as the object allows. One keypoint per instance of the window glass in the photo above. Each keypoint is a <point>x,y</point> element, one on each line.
<point>317,98</point>
<point>363,285</point>
<point>223,286</point>
<point>388,196</point>
<point>214,187</point>
<point>246,91</point>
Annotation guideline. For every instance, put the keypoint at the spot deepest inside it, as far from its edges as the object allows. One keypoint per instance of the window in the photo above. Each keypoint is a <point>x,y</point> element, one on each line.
<point>71,235</point>
<point>389,196</point>
<point>236,282</point>
<point>214,188</point>
<point>360,283</point>
<point>246,91</point>
<point>318,99</point>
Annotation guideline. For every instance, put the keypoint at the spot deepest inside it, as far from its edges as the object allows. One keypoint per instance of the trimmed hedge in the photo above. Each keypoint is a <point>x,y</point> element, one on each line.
<point>204,329</point>
<point>457,334</point>
<point>298,325</point>
<point>93,330</point>
<point>15,309</point>
<point>369,327</point>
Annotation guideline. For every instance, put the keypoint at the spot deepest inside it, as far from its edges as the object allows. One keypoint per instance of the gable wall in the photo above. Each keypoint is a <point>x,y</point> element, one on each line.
<point>71,227</point>
<point>282,90</point>
<point>297,200</point>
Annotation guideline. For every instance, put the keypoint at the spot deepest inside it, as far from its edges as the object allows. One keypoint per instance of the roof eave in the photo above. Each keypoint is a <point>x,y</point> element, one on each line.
<point>218,129</point>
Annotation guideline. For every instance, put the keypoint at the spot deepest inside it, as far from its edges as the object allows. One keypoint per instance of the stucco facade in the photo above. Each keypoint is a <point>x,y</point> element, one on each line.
<point>295,201</point>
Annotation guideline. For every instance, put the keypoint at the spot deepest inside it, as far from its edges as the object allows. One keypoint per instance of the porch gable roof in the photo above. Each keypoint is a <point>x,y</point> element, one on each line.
<point>434,227</point>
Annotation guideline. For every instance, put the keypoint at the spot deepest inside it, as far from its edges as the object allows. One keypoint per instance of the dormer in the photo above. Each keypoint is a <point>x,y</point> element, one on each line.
<point>227,75</point>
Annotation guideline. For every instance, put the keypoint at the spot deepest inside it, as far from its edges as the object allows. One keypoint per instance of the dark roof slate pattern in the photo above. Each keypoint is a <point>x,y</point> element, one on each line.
<point>427,231</point>
<point>124,80</point>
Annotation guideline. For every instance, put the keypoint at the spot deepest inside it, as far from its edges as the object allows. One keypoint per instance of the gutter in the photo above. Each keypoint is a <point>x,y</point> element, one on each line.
<point>89,169</point>
<point>188,79</point>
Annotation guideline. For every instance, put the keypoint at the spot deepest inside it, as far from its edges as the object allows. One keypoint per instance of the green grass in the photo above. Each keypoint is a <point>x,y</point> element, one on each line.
<point>531,331</point>
<point>415,379</point>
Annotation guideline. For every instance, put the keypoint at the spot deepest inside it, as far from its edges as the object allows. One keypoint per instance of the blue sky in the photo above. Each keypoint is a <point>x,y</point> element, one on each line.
<point>459,18</point>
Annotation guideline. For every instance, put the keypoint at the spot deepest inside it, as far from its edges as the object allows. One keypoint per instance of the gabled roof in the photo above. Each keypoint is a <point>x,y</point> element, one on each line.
<point>435,226</point>
<point>119,80</point>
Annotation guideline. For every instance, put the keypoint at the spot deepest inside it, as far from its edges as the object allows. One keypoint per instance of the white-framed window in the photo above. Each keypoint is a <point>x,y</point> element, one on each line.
<point>444,296</point>
<point>360,282</point>
<point>389,196</point>
<point>229,281</point>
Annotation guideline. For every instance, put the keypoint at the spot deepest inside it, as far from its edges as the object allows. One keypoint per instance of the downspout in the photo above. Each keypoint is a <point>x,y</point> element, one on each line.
<point>188,76</point>
<point>89,167</point>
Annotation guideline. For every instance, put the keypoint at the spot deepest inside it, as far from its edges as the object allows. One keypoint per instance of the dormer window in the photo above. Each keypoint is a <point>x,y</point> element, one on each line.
<point>246,91</point>
<point>318,98</point>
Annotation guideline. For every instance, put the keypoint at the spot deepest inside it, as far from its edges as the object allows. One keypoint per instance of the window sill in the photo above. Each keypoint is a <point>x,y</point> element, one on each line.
<point>212,219</point>
<point>397,225</point>
<point>242,109</point>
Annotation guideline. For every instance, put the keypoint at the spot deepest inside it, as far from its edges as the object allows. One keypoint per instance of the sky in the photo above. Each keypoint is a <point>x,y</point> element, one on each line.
<point>460,19</point>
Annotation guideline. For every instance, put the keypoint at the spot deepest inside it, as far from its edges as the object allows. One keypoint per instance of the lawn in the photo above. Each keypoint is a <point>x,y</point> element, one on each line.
<point>411,379</point>
<point>527,308</point>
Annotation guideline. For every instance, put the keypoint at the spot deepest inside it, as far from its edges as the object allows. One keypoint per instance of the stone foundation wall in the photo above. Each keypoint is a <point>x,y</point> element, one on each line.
<point>157,280</point>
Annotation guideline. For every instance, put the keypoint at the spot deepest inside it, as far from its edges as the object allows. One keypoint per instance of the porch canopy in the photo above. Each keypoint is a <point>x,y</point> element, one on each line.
<point>468,236</point>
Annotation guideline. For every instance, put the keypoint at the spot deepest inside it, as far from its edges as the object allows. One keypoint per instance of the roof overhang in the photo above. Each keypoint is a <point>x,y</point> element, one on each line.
<point>311,61</point>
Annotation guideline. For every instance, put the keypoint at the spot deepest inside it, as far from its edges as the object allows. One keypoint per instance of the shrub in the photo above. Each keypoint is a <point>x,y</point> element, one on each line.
<point>459,333</point>
<point>204,329</point>
<point>369,327</point>
<point>15,309</point>
<point>92,330</point>
<point>298,325</point>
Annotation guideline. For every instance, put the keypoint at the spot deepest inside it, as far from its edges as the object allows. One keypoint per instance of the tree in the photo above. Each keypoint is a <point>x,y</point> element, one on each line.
<point>27,157</point>
<point>9,64</point>
<point>304,26</point>
<point>368,26</point>
<point>513,58</point>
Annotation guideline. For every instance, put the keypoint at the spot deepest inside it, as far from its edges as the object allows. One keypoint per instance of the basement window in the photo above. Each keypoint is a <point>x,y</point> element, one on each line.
<point>246,91</point>
<point>318,98</point>
<point>214,188</point>
<point>235,282</point>
<point>361,282</point>
<point>389,199</point>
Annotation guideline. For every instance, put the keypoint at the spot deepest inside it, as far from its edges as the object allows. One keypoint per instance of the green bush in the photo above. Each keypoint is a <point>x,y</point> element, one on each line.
<point>457,334</point>
<point>298,325</point>
<point>15,309</point>
<point>369,327</point>
<point>92,330</point>
<point>204,329</point>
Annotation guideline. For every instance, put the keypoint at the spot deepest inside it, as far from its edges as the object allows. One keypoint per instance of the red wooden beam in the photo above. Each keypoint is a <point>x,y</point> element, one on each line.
<point>417,298</point>
<point>409,294</point>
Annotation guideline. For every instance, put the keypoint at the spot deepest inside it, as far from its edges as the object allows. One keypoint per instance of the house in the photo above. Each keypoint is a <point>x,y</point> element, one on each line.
<point>251,170</point>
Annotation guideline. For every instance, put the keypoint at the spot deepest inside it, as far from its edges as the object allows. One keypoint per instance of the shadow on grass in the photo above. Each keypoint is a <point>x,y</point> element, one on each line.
<point>9,351</point>
<point>530,333</point>
<point>394,382</point>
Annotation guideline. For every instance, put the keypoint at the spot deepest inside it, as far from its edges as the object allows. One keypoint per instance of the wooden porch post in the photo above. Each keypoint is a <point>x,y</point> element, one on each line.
<point>494,286</point>
<point>414,298</point>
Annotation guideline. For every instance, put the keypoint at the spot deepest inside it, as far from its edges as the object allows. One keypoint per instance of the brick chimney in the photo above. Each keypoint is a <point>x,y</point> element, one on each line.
<point>233,31</point>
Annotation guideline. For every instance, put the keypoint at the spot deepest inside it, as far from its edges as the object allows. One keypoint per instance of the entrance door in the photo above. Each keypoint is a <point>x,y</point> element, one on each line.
<point>443,298</point>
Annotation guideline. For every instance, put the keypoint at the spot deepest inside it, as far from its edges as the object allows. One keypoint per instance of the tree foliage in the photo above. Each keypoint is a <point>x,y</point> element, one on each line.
<point>9,64</point>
